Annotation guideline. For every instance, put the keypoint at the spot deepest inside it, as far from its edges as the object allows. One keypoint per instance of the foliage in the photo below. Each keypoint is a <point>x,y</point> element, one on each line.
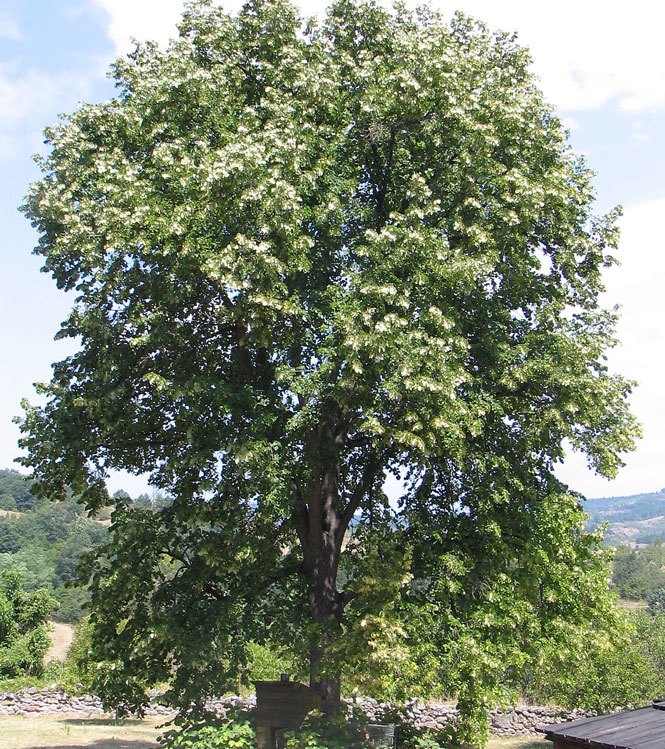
<point>7,502</point>
<point>45,544</point>
<point>267,663</point>
<point>429,741</point>
<point>320,731</point>
<point>656,601</point>
<point>237,730</point>
<point>77,668</point>
<point>23,627</point>
<point>602,676</point>
<point>305,258</point>
<point>73,675</point>
<point>650,639</point>
<point>15,491</point>
<point>47,540</point>
<point>639,574</point>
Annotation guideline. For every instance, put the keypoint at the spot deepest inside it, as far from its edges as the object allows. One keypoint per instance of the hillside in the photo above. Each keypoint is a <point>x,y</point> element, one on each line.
<point>635,519</point>
<point>45,540</point>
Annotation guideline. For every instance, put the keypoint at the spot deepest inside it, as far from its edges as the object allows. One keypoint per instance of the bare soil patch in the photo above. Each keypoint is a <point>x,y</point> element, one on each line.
<point>61,636</point>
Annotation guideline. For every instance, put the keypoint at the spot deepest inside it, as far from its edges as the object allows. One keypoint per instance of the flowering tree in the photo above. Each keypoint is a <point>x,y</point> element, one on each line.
<point>305,259</point>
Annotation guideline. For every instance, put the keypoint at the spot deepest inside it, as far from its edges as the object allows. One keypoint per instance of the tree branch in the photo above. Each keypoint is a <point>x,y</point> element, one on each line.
<point>369,474</point>
<point>300,516</point>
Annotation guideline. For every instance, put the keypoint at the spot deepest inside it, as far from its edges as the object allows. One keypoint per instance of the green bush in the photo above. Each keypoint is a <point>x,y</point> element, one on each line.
<point>604,676</point>
<point>23,627</point>
<point>236,731</point>
<point>319,731</point>
<point>71,602</point>
<point>75,674</point>
<point>267,662</point>
<point>429,740</point>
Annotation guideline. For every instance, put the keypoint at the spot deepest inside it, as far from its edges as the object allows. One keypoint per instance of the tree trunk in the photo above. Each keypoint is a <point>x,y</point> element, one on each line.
<point>320,528</point>
<point>328,687</point>
<point>326,611</point>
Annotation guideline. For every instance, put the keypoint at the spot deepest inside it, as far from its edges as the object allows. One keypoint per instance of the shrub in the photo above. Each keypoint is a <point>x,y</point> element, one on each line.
<point>604,676</point>
<point>267,662</point>
<point>236,730</point>
<point>23,627</point>
<point>322,732</point>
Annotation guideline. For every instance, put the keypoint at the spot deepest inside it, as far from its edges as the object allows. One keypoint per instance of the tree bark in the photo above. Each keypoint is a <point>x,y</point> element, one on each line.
<point>318,522</point>
<point>321,524</point>
<point>325,601</point>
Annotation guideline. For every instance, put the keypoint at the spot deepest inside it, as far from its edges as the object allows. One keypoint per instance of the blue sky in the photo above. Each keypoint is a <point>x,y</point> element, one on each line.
<point>600,64</point>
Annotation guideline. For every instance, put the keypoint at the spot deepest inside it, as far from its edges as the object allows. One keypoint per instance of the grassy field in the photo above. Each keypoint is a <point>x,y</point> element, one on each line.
<point>17,732</point>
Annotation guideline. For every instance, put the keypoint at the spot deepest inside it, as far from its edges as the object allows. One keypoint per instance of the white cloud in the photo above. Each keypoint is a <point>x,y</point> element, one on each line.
<point>33,97</point>
<point>8,27</point>
<point>637,285</point>
<point>570,123</point>
<point>586,53</point>
<point>639,134</point>
<point>150,19</point>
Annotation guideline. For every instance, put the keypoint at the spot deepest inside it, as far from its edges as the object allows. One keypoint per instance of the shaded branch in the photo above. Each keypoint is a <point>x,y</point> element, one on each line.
<point>300,516</point>
<point>369,474</point>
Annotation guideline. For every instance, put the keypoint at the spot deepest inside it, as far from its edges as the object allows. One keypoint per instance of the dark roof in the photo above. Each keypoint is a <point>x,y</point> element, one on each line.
<point>632,729</point>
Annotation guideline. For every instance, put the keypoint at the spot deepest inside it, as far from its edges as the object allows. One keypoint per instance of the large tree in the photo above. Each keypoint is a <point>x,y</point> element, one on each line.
<point>306,259</point>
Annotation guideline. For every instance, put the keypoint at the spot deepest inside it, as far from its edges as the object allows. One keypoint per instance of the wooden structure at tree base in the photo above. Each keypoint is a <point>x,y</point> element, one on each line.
<point>631,729</point>
<point>281,706</point>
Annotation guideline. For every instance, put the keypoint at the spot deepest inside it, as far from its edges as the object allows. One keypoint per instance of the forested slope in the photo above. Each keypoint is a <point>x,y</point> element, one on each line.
<point>639,518</point>
<point>44,541</point>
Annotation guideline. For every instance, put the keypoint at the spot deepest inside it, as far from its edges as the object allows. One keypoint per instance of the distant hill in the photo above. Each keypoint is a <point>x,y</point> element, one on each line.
<point>45,540</point>
<point>636,519</point>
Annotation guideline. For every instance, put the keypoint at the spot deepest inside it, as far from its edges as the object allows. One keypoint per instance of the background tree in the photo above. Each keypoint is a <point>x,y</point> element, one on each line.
<point>639,574</point>
<point>44,543</point>
<point>305,259</point>
<point>15,491</point>
<point>23,627</point>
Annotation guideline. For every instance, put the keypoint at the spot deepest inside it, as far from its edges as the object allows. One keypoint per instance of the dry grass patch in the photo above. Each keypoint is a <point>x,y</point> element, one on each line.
<point>61,636</point>
<point>62,732</point>
<point>519,742</point>
<point>624,603</point>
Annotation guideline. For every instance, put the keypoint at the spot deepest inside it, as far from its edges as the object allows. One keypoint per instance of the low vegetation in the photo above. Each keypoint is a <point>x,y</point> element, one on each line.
<point>639,574</point>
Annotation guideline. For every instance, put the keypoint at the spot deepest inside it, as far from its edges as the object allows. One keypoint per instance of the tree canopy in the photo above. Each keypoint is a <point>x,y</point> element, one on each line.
<point>306,257</point>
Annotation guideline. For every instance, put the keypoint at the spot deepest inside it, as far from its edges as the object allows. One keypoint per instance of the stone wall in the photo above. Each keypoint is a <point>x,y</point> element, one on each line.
<point>511,721</point>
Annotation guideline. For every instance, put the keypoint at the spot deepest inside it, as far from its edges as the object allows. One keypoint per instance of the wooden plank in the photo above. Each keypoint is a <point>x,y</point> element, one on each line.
<point>614,727</point>
<point>657,742</point>
<point>567,745</point>
<point>630,729</point>
<point>635,736</point>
